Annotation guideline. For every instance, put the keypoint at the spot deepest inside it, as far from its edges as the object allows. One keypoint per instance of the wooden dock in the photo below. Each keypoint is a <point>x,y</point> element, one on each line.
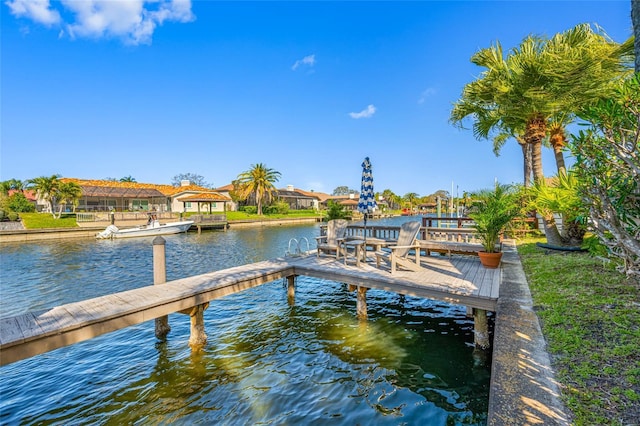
<point>458,280</point>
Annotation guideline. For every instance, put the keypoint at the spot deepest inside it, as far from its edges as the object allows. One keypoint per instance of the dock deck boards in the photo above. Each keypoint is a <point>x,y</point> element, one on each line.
<point>459,280</point>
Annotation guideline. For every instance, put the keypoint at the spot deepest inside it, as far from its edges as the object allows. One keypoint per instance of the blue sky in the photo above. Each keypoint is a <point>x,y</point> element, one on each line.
<point>95,89</point>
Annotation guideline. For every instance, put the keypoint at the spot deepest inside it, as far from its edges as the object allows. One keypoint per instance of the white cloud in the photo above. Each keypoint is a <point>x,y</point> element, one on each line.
<point>36,10</point>
<point>309,61</point>
<point>133,21</point>
<point>365,113</point>
<point>425,94</point>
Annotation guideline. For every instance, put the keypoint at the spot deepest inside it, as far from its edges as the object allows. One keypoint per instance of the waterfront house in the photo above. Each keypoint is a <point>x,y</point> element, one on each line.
<point>106,195</point>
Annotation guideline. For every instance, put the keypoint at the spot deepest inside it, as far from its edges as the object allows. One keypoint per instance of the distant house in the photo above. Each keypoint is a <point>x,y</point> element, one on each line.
<point>297,199</point>
<point>349,202</point>
<point>105,195</point>
<point>226,191</point>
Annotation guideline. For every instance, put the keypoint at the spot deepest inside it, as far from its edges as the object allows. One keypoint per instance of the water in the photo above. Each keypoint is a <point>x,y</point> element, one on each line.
<point>265,362</point>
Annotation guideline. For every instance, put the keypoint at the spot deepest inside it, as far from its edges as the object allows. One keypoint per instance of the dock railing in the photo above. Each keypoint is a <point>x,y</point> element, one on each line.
<point>447,222</point>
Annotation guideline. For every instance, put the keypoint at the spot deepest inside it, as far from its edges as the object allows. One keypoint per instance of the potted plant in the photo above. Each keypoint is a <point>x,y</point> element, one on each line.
<point>492,210</point>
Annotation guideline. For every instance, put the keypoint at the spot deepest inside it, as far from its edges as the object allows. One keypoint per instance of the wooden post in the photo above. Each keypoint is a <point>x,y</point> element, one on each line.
<point>160,277</point>
<point>291,289</point>
<point>198,337</point>
<point>361,302</point>
<point>481,328</point>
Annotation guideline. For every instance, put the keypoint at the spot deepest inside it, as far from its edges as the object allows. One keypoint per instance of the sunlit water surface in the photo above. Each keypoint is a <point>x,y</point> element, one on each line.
<point>265,362</point>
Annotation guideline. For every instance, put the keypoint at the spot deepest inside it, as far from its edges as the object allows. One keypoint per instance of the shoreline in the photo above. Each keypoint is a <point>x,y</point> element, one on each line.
<point>45,234</point>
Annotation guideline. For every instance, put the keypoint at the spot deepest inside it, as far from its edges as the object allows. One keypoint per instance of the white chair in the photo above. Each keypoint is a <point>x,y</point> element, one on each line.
<point>336,230</point>
<point>398,254</point>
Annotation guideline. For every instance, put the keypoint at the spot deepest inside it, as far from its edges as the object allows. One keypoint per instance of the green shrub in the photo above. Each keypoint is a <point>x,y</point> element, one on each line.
<point>335,211</point>
<point>250,209</point>
<point>277,208</point>
<point>12,216</point>
<point>3,214</point>
<point>17,202</point>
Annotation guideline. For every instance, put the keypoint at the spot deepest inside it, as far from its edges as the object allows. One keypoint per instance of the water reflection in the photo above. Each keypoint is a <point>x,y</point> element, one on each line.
<point>266,360</point>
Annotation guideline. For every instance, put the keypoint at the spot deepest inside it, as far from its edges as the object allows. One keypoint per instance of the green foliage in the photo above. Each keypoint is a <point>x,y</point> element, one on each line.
<point>3,215</point>
<point>492,210</point>
<point>13,216</point>
<point>608,167</point>
<point>17,202</point>
<point>279,207</point>
<point>343,190</point>
<point>257,182</point>
<point>335,211</point>
<point>249,209</point>
<point>193,178</point>
<point>562,197</point>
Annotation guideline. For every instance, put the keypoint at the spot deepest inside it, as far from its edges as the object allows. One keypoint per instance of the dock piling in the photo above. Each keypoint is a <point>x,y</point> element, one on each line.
<point>361,302</point>
<point>480,328</point>
<point>160,277</point>
<point>198,337</point>
<point>291,289</point>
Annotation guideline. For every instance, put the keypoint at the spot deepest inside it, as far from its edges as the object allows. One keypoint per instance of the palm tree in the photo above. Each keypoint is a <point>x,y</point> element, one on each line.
<point>5,187</point>
<point>538,87</point>
<point>410,198</point>
<point>128,179</point>
<point>68,192</point>
<point>12,184</point>
<point>46,188</point>
<point>389,197</point>
<point>259,182</point>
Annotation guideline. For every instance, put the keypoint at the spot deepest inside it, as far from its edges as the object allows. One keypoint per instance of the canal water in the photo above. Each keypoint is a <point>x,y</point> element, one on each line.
<point>266,362</point>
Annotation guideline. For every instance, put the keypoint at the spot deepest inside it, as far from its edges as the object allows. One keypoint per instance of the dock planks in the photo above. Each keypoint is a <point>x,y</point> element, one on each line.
<point>458,280</point>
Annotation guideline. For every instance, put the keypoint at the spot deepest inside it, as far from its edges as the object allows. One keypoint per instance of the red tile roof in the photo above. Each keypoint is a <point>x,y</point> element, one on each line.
<point>166,190</point>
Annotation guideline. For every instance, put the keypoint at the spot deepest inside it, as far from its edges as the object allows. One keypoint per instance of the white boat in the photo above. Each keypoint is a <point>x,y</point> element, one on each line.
<point>153,228</point>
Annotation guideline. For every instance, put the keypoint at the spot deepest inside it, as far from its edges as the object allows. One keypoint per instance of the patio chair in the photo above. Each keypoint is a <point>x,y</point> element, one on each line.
<point>398,254</point>
<point>336,230</point>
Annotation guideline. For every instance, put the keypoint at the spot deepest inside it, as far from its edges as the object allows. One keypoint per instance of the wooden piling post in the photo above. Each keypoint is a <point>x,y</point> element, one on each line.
<point>160,277</point>
<point>291,289</point>
<point>361,302</point>
<point>481,328</point>
<point>198,337</point>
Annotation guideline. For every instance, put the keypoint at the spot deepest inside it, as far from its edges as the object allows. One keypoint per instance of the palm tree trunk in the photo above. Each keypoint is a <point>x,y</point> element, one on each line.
<point>558,142</point>
<point>259,202</point>
<point>534,133</point>
<point>551,231</point>
<point>526,156</point>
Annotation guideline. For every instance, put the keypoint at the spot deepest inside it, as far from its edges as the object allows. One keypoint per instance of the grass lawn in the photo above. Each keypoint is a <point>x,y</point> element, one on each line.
<point>590,317</point>
<point>291,215</point>
<point>46,220</point>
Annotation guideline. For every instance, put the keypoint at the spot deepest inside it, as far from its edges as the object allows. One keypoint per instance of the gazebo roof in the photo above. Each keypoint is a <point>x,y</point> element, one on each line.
<point>205,197</point>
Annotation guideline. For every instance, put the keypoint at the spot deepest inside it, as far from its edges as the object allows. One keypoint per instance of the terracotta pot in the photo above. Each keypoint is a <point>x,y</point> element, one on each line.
<point>490,260</point>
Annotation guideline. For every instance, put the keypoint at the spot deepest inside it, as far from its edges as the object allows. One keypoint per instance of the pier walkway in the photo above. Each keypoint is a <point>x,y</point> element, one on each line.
<point>459,280</point>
